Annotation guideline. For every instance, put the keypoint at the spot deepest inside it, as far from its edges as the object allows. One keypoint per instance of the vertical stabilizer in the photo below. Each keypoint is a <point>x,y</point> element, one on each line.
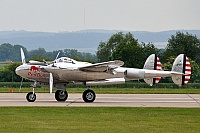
<point>152,63</point>
<point>181,70</point>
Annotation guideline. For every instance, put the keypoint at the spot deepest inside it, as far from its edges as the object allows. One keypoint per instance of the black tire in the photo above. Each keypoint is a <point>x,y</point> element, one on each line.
<point>89,96</point>
<point>31,97</point>
<point>61,95</point>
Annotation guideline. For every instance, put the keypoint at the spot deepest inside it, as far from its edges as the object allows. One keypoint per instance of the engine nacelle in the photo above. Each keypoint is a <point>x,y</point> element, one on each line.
<point>132,73</point>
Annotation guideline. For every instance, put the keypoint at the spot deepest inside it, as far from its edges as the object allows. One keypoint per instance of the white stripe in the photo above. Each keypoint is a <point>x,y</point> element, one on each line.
<point>187,72</point>
<point>159,68</point>
<point>187,62</point>
<point>187,77</point>
<point>187,67</point>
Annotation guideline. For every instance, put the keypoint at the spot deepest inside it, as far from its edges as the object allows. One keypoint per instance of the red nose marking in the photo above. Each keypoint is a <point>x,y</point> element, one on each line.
<point>34,68</point>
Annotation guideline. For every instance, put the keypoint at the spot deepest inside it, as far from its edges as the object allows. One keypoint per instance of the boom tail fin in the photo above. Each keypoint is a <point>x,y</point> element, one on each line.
<point>152,63</point>
<point>181,70</point>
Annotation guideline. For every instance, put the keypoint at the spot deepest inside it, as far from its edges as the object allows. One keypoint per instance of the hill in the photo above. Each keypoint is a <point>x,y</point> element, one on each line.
<point>83,41</point>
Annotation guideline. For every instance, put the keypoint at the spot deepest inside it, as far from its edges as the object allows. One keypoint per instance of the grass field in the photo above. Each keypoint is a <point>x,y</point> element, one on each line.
<point>99,120</point>
<point>115,90</point>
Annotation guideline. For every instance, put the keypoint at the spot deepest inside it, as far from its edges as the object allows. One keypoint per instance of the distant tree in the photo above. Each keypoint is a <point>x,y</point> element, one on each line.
<point>195,72</point>
<point>10,52</point>
<point>103,52</point>
<point>105,49</point>
<point>81,56</point>
<point>126,48</point>
<point>149,49</point>
<point>7,73</point>
<point>183,43</point>
<point>130,53</point>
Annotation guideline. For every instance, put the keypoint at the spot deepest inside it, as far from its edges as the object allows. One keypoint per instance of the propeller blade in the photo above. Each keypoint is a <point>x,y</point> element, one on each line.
<point>51,83</point>
<point>57,55</point>
<point>20,85</point>
<point>23,56</point>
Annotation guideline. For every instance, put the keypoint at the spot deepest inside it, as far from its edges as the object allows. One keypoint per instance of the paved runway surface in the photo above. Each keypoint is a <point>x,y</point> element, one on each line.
<point>105,100</point>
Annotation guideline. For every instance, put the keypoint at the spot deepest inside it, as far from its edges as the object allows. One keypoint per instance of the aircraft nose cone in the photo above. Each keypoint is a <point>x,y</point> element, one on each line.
<point>20,70</point>
<point>17,71</point>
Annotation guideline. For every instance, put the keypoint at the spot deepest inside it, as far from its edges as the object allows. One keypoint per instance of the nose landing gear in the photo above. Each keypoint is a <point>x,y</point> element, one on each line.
<point>61,95</point>
<point>31,97</point>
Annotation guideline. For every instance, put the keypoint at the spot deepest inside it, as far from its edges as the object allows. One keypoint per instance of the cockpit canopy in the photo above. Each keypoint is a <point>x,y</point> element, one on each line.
<point>65,60</point>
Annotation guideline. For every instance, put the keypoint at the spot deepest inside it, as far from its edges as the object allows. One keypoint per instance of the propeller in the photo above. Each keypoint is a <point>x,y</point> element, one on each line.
<point>51,76</point>
<point>23,56</point>
<point>46,62</point>
<point>23,62</point>
<point>51,83</point>
<point>57,55</point>
<point>21,85</point>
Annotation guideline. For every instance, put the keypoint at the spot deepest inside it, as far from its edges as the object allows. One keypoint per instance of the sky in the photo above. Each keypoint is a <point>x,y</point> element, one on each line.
<point>76,15</point>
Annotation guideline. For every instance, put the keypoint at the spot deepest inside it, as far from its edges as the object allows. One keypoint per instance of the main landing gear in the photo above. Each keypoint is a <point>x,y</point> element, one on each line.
<point>88,96</point>
<point>61,95</point>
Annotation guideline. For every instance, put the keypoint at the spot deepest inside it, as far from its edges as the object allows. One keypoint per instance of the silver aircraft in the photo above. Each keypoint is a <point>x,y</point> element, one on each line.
<point>63,71</point>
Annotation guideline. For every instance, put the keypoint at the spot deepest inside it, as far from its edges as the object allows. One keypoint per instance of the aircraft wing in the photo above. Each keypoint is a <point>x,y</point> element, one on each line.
<point>32,62</point>
<point>102,67</point>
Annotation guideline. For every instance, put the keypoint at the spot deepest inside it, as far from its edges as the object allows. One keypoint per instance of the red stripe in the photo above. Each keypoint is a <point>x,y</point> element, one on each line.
<point>187,79</point>
<point>187,64</point>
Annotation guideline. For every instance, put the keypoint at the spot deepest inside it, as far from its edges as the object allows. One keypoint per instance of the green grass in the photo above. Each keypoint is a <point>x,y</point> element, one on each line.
<point>99,120</point>
<point>116,90</point>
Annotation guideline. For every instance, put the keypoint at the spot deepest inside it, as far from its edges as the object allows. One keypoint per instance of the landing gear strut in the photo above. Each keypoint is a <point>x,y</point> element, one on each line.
<point>88,96</point>
<point>31,96</point>
<point>61,95</point>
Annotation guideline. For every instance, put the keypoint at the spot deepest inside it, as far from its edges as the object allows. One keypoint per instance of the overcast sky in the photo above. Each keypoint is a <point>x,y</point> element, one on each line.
<point>68,15</point>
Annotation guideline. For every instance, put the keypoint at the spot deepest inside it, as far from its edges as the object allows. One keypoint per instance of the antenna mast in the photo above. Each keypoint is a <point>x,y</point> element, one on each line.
<point>84,19</point>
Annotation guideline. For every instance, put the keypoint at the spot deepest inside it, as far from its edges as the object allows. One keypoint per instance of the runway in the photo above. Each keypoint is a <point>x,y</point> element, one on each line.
<point>106,100</point>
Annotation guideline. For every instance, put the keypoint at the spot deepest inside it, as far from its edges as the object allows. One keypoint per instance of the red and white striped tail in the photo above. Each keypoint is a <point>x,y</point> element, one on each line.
<point>187,71</point>
<point>158,67</point>
<point>152,63</point>
<point>181,70</point>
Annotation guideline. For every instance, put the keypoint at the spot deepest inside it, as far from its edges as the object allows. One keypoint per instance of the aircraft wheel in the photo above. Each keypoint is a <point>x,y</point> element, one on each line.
<point>31,97</point>
<point>89,96</point>
<point>61,95</point>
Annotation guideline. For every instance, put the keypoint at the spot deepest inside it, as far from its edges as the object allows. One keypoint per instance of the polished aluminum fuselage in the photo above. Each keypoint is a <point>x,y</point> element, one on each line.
<point>65,73</point>
<point>75,72</point>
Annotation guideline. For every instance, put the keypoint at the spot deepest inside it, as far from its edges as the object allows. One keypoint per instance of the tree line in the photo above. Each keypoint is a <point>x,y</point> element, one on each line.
<point>9,52</point>
<point>126,48</point>
<point>119,46</point>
